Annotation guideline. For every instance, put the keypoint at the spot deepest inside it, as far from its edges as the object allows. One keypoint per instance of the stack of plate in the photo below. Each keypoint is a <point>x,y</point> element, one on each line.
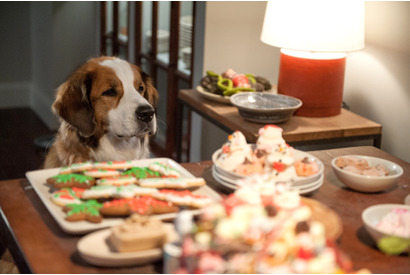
<point>305,185</point>
<point>185,31</point>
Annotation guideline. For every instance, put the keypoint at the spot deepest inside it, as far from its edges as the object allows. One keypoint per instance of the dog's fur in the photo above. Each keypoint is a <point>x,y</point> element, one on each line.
<point>106,109</point>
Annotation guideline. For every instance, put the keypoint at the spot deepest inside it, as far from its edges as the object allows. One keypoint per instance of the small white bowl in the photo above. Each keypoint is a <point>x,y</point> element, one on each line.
<point>372,215</point>
<point>369,184</point>
<point>265,107</point>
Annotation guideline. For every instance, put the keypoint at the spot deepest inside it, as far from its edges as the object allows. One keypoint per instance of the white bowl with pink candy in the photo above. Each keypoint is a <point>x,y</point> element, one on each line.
<point>387,221</point>
<point>365,173</point>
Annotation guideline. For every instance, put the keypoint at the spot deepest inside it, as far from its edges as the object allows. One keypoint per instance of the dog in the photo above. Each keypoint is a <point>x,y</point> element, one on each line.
<point>106,109</point>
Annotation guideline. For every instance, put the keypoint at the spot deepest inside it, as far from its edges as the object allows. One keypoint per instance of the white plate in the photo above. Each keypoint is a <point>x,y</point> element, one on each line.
<point>305,191</point>
<point>302,189</point>
<point>94,249</point>
<point>297,155</point>
<point>214,97</point>
<point>223,182</point>
<point>38,181</point>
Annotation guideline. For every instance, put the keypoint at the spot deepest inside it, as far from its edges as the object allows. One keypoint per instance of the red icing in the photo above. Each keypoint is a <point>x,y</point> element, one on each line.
<point>140,205</point>
<point>305,254</point>
<point>279,166</point>
<point>181,193</point>
<point>67,196</point>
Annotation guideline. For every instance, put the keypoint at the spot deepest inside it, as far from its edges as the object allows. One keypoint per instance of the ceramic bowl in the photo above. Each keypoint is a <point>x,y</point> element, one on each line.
<point>372,215</point>
<point>265,107</point>
<point>369,184</point>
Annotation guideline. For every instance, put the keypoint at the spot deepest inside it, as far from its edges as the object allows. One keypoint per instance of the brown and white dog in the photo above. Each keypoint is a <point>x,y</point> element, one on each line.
<point>106,110</point>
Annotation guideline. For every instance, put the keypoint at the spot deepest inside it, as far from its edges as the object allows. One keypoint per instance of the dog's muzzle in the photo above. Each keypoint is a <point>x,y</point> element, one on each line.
<point>145,113</point>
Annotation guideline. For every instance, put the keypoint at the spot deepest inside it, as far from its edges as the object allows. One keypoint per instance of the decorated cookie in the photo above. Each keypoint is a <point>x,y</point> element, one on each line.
<point>99,192</point>
<point>106,191</point>
<point>141,173</point>
<point>71,180</point>
<point>88,211</point>
<point>117,181</point>
<point>130,191</point>
<point>145,205</point>
<point>183,198</point>
<point>177,183</point>
<point>120,165</point>
<point>125,207</point>
<point>66,196</point>
<point>159,206</point>
<point>76,167</point>
<point>164,170</point>
<point>102,173</point>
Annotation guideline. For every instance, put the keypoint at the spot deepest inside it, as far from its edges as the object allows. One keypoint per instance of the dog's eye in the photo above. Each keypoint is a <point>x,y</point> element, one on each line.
<point>110,92</point>
<point>141,88</point>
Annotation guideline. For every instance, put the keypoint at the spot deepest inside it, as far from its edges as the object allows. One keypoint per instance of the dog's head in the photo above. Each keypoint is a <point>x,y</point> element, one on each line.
<point>108,94</point>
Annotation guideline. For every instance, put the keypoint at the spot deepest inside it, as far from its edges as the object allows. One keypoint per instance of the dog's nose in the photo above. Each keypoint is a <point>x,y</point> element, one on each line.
<point>145,113</point>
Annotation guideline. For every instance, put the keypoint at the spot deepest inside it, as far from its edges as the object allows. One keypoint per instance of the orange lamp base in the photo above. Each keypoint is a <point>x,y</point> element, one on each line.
<point>317,82</point>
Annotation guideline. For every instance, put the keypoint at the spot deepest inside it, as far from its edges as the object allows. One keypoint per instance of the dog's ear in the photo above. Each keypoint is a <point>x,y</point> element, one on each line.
<point>73,103</point>
<point>150,93</point>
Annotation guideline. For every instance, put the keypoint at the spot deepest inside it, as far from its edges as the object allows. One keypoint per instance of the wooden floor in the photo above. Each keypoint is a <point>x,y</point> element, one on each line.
<point>19,128</point>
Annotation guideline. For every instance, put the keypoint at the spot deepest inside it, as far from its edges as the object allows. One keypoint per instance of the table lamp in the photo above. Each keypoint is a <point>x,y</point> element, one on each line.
<point>314,37</point>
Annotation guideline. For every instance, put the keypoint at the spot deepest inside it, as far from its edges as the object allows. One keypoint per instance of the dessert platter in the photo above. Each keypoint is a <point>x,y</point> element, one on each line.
<point>117,189</point>
<point>237,159</point>
<point>262,228</point>
<point>220,87</point>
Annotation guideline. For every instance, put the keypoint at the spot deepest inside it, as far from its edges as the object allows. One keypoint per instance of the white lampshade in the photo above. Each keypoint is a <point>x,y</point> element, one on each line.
<point>314,25</point>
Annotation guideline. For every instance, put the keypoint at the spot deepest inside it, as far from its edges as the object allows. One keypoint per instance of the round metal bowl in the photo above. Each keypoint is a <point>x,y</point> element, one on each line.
<point>265,107</point>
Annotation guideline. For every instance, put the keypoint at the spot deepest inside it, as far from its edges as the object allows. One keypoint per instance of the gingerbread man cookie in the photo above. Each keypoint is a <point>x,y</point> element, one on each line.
<point>88,211</point>
<point>71,180</point>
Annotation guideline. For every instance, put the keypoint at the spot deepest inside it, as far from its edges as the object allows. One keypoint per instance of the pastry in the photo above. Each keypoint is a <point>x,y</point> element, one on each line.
<point>305,168</point>
<point>88,210</point>
<point>107,191</point>
<point>175,183</point>
<point>117,165</point>
<point>183,198</point>
<point>141,173</point>
<point>164,170</point>
<point>102,173</point>
<point>66,196</point>
<point>138,233</point>
<point>117,180</point>
<point>71,180</point>
<point>76,167</point>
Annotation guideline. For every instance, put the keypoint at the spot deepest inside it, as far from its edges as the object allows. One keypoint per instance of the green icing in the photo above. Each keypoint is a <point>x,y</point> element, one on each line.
<point>165,167</point>
<point>141,172</point>
<point>76,177</point>
<point>90,207</point>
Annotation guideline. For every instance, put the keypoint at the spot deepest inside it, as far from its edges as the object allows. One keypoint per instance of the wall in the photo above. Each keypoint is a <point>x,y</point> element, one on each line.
<point>377,82</point>
<point>15,77</point>
<point>377,85</point>
<point>232,40</point>
<point>46,41</point>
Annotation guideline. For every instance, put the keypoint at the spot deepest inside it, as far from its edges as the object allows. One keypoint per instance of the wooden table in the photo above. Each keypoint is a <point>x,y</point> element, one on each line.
<point>40,246</point>
<point>346,126</point>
